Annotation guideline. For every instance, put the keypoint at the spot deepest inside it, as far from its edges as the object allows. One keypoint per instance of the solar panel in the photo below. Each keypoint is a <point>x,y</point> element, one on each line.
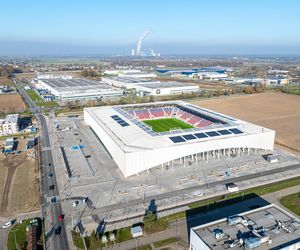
<point>177,139</point>
<point>189,137</point>
<point>212,133</point>
<point>114,116</point>
<point>236,131</point>
<point>200,135</point>
<point>125,124</point>
<point>224,132</point>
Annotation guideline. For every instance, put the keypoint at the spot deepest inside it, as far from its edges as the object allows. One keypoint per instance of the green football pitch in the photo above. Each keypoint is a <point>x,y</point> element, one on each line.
<point>166,124</point>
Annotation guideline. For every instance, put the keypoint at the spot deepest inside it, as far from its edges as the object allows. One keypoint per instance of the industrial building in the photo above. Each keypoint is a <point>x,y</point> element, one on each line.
<point>208,75</point>
<point>126,82</point>
<point>166,88</point>
<point>136,146</point>
<point>267,227</point>
<point>9,125</point>
<point>81,88</point>
<point>148,86</point>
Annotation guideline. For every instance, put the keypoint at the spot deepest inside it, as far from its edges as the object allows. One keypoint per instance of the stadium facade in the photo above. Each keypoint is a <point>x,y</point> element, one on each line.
<point>136,147</point>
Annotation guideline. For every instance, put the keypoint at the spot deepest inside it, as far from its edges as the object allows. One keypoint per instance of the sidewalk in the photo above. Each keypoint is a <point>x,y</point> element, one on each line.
<point>180,228</point>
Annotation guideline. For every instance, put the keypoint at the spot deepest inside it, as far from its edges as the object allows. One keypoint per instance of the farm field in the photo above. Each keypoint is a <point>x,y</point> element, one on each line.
<point>5,81</point>
<point>276,111</point>
<point>166,124</point>
<point>10,103</point>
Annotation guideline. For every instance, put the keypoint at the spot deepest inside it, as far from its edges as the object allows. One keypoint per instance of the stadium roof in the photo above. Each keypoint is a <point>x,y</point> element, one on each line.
<point>133,135</point>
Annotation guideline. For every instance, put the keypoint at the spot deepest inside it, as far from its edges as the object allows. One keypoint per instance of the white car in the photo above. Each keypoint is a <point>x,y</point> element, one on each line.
<point>7,224</point>
<point>75,203</point>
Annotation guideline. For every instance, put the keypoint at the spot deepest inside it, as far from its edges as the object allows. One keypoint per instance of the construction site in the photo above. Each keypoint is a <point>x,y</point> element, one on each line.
<point>19,178</point>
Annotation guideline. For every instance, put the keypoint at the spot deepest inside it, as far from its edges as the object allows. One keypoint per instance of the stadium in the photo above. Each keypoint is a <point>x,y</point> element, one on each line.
<point>142,136</point>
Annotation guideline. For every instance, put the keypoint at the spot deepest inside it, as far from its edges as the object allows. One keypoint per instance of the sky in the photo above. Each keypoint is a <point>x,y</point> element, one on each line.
<point>176,27</point>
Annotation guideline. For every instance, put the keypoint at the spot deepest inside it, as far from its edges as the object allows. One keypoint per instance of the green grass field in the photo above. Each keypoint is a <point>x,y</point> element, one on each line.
<point>166,124</point>
<point>292,202</point>
<point>33,95</point>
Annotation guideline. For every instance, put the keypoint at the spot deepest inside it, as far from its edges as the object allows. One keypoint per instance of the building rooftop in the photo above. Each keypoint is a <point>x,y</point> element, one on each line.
<point>128,79</point>
<point>13,118</point>
<point>269,227</point>
<point>76,85</point>
<point>136,136</point>
<point>162,85</point>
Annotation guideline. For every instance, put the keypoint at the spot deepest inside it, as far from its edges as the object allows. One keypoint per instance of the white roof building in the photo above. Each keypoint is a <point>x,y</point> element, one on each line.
<point>136,147</point>
<point>81,88</point>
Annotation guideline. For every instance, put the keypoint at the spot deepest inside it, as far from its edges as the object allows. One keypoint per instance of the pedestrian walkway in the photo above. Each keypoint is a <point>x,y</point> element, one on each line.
<point>180,228</point>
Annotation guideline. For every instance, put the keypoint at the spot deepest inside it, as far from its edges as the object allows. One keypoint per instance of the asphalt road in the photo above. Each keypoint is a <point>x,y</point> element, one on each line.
<point>148,199</point>
<point>50,211</point>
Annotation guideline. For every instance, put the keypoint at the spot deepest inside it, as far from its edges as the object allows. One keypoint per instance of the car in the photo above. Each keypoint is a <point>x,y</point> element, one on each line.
<point>34,222</point>
<point>57,230</point>
<point>54,199</point>
<point>7,224</point>
<point>51,187</point>
<point>75,203</point>
<point>50,175</point>
<point>61,217</point>
<point>49,165</point>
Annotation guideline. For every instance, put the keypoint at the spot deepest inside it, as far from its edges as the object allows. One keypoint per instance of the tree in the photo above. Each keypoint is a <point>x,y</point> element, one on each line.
<point>151,98</point>
<point>149,219</point>
<point>249,90</point>
<point>218,92</point>
<point>89,73</point>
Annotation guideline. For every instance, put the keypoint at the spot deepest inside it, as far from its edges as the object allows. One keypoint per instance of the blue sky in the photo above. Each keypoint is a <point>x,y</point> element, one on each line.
<point>175,27</point>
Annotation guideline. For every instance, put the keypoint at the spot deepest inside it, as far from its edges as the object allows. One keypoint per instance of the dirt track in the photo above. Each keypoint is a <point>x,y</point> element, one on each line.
<point>277,111</point>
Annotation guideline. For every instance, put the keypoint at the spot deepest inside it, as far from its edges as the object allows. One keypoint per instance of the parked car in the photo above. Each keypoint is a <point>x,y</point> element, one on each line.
<point>61,217</point>
<point>53,199</point>
<point>50,175</point>
<point>75,203</point>
<point>7,224</point>
<point>51,187</point>
<point>57,230</point>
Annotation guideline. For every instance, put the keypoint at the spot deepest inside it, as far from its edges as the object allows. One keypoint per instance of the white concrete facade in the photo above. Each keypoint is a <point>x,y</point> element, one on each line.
<point>135,151</point>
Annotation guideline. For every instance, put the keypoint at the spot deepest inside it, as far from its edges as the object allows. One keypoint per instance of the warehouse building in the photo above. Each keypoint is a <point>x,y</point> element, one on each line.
<point>81,88</point>
<point>126,82</point>
<point>166,88</point>
<point>148,86</point>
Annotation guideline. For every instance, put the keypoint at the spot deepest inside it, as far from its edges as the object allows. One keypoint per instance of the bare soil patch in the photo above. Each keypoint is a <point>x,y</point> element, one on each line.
<point>277,111</point>
<point>11,103</point>
<point>19,184</point>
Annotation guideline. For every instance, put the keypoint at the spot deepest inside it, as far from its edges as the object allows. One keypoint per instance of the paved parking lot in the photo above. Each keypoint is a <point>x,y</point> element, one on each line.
<point>95,175</point>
